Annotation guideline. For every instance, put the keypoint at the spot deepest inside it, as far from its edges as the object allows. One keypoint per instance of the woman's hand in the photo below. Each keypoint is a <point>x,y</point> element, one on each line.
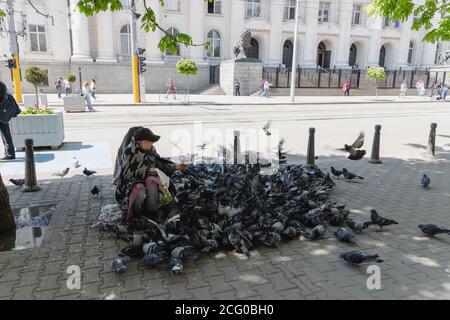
<point>181,166</point>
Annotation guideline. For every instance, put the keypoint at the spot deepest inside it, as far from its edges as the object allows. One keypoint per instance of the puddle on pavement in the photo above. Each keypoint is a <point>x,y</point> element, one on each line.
<point>32,222</point>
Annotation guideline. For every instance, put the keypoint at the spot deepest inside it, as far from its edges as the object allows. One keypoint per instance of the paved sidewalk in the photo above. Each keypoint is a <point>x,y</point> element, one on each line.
<point>155,99</point>
<point>415,267</point>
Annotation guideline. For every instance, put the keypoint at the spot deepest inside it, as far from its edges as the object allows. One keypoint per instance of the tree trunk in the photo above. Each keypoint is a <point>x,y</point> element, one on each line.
<point>7,223</point>
<point>36,106</point>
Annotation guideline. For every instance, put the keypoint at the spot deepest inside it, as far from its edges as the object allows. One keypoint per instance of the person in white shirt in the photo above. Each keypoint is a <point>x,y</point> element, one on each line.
<point>67,87</point>
<point>93,88</point>
<point>403,89</point>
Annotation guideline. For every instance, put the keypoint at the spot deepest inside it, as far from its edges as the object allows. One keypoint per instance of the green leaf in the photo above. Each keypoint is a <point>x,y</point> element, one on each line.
<point>187,66</point>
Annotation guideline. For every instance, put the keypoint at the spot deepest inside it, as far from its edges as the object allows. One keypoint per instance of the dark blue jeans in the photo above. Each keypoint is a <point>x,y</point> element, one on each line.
<point>7,140</point>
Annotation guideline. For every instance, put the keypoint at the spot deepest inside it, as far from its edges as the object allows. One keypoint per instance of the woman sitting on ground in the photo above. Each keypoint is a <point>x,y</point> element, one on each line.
<point>137,183</point>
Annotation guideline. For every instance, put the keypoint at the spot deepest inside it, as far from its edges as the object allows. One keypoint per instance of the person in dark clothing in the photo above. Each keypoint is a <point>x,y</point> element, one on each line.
<point>237,87</point>
<point>8,110</point>
<point>137,183</point>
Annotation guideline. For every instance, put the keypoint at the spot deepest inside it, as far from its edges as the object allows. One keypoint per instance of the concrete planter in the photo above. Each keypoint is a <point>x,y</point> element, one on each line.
<point>74,104</point>
<point>29,101</point>
<point>45,130</point>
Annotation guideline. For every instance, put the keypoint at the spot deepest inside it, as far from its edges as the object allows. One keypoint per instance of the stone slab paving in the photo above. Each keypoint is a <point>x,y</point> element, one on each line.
<point>415,266</point>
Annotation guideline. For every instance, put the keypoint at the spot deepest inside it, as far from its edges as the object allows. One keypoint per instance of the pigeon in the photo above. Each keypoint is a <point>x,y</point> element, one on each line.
<point>350,176</point>
<point>358,257</point>
<point>318,232</point>
<point>96,191</point>
<point>17,182</point>
<point>343,235</point>
<point>118,265</point>
<point>267,127</point>
<point>425,181</point>
<point>132,251</point>
<point>176,266</point>
<point>88,173</point>
<point>336,173</point>
<point>153,259</point>
<point>379,220</point>
<point>357,225</point>
<point>61,174</point>
<point>76,164</point>
<point>432,229</point>
<point>202,146</point>
<point>355,154</point>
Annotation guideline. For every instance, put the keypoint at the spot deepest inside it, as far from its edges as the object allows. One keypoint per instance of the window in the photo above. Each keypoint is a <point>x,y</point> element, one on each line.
<point>356,15</point>
<point>253,8</point>
<point>38,39</point>
<point>172,5</point>
<point>215,7</point>
<point>289,10</point>
<point>125,42</point>
<point>214,40</point>
<point>173,32</point>
<point>410,52</point>
<point>324,9</point>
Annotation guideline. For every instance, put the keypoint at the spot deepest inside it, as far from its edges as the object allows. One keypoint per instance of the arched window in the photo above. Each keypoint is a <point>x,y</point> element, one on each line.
<point>214,40</point>
<point>352,55</point>
<point>253,51</point>
<point>323,56</point>
<point>382,57</point>
<point>288,49</point>
<point>410,52</point>
<point>125,42</point>
<point>173,32</point>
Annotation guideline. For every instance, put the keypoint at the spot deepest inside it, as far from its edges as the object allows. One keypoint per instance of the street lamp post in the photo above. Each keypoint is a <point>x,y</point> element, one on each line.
<point>294,55</point>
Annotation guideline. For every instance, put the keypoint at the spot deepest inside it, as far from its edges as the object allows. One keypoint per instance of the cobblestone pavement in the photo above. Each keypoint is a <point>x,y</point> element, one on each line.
<point>415,267</point>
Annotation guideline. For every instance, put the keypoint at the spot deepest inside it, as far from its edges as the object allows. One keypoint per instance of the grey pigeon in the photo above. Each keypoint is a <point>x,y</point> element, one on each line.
<point>61,174</point>
<point>353,149</point>
<point>432,229</point>
<point>318,232</point>
<point>357,225</point>
<point>76,164</point>
<point>358,257</point>
<point>118,265</point>
<point>379,220</point>
<point>336,173</point>
<point>267,127</point>
<point>425,181</point>
<point>176,266</point>
<point>88,173</point>
<point>343,235</point>
<point>17,182</point>
<point>350,176</point>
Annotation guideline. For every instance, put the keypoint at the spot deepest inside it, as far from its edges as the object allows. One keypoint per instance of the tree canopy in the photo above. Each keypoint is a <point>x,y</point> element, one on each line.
<point>424,12</point>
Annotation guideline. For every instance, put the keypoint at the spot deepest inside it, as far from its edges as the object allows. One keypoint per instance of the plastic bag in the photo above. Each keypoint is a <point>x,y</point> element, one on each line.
<point>165,197</point>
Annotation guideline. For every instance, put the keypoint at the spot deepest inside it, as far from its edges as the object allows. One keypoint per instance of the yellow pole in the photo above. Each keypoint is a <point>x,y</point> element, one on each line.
<point>135,74</point>
<point>16,80</point>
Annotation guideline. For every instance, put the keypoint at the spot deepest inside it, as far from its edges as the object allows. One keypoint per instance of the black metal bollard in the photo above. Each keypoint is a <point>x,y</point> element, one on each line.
<point>30,169</point>
<point>224,160</point>
<point>236,146</point>
<point>310,154</point>
<point>431,149</point>
<point>375,156</point>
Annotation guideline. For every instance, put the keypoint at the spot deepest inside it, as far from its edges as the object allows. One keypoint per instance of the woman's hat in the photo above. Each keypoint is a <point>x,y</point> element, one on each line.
<point>145,134</point>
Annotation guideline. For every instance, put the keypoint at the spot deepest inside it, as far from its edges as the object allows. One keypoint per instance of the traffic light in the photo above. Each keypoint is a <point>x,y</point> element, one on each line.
<point>141,64</point>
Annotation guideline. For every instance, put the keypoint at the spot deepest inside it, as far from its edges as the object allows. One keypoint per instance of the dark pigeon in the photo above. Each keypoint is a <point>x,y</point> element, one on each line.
<point>88,173</point>
<point>425,181</point>
<point>350,176</point>
<point>432,229</point>
<point>336,173</point>
<point>343,235</point>
<point>353,149</point>
<point>17,182</point>
<point>379,220</point>
<point>358,257</point>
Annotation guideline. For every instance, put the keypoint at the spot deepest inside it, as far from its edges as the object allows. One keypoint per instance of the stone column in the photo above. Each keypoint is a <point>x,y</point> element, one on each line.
<point>310,45</point>
<point>237,18</point>
<point>105,40</point>
<point>154,55</point>
<point>80,34</point>
<point>403,44</point>
<point>374,24</point>
<point>275,44</point>
<point>196,29</point>
<point>345,22</point>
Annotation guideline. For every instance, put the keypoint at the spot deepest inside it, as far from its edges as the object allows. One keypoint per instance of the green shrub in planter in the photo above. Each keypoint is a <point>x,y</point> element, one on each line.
<point>37,77</point>
<point>32,112</point>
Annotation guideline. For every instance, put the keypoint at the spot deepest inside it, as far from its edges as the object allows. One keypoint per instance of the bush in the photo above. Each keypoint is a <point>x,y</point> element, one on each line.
<point>186,66</point>
<point>31,111</point>
<point>71,78</point>
<point>375,73</point>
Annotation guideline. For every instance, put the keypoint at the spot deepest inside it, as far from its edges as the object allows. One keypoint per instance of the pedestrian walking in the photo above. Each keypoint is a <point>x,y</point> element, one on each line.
<point>403,88</point>
<point>418,87</point>
<point>93,87</point>
<point>346,88</point>
<point>444,92</point>
<point>67,87</point>
<point>86,92</point>
<point>171,89</point>
<point>8,110</point>
<point>58,86</point>
<point>237,87</point>
<point>422,88</point>
<point>265,88</point>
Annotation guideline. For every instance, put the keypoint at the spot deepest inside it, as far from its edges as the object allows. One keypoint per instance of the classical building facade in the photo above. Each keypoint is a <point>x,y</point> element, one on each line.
<point>332,33</point>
